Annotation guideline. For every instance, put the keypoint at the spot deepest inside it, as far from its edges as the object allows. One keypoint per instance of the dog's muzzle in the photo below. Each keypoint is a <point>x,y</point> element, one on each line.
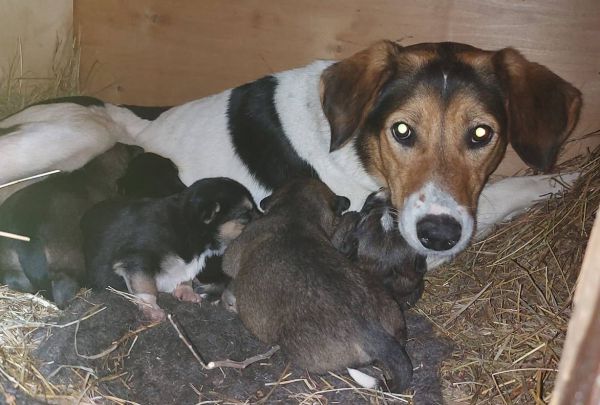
<point>434,224</point>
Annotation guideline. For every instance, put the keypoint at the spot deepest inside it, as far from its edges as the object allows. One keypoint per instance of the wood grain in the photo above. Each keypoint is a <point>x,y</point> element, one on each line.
<point>579,372</point>
<point>154,52</point>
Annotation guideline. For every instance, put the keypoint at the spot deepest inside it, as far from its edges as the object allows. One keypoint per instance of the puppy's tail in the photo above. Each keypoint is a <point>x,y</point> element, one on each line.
<point>62,135</point>
<point>390,356</point>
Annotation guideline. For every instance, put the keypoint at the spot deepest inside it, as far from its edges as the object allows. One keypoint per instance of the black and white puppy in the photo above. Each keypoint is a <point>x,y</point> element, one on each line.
<point>48,212</point>
<point>148,246</point>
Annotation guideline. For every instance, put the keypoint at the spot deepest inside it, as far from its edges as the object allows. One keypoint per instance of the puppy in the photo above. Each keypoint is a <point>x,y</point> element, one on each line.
<point>292,287</point>
<point>49,212</point>
<point>148,246</point>
<point>371,239</point>
<point>150,175</point>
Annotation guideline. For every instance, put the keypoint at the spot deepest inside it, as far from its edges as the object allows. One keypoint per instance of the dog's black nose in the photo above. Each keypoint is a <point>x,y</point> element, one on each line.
<point>438,232</point>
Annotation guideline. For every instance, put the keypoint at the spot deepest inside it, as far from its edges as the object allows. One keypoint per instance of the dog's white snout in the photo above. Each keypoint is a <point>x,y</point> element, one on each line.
<point>433,223</point>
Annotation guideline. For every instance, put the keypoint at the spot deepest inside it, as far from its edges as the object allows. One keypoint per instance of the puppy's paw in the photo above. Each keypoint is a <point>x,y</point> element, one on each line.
<point>184,292</point>
<point>154,314</point>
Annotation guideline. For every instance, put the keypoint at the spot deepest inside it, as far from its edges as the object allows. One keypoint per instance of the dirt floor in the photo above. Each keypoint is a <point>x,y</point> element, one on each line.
<point>151,365</point>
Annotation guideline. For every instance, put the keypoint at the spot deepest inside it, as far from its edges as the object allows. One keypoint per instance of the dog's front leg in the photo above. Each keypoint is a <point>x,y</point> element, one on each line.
<point>503,200</point>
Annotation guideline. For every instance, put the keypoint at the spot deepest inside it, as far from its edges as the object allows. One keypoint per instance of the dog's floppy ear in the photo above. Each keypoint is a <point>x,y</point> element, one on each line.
<point>542,108</point>
<point>350,86</point>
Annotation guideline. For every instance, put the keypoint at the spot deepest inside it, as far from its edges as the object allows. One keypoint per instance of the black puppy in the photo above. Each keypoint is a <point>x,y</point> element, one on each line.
<point>150,175</point>
<point>49,212</point>
<point>371,239</point>
<point>294,288</point>
<point>148,246</point>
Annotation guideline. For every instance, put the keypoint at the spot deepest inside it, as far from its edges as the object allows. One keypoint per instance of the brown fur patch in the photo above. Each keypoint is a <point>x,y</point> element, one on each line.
<point>542,110</point>
<point>441,150</point>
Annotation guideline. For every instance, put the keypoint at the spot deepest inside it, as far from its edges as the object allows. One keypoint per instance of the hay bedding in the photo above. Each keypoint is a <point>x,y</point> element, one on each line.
<point>151,365</point>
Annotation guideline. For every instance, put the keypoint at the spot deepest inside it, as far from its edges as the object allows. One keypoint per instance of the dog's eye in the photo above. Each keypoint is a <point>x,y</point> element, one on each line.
<point>480,135</point>
<point>403,133</point>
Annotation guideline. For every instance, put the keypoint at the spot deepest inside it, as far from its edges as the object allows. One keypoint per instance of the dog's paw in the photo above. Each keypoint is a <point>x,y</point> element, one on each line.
<point>154,314</point>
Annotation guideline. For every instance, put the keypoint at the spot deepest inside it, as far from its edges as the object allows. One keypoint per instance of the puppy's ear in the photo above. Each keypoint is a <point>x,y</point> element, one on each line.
<point>350,86</point>
<point>542,108</point>
<point>265,203</point>
<point>210,211</point>
<point>341,204</point>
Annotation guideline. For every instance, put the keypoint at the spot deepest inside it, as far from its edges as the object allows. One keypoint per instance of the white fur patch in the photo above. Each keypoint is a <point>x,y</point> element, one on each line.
<point>299,108</point>
<point>387,222</point>
<point>195,136</point>
<point>62,136</point>
<point>174,270</point>
<point>362,379</point>
<point>432,200</point>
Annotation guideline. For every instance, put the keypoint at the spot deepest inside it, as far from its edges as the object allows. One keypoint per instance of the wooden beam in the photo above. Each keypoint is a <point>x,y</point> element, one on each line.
<point>156,52</point>
<point>578,381</point>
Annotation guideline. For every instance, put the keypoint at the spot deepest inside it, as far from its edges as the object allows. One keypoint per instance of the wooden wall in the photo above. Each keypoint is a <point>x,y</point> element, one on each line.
<point>157,52</point>
<point>34,26</point>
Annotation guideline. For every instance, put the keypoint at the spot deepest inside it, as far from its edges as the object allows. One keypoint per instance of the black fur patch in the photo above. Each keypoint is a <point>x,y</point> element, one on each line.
<point>84,101</point>
<point>146,113</point>
<point>258,136</point>
<point>8,130</point>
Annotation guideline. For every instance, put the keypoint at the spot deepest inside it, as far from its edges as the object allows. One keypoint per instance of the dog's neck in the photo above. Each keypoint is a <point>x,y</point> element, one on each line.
<point>302,118</point>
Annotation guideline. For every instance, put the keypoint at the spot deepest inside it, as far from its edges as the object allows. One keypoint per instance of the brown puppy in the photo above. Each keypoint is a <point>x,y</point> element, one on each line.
<point>295,289</point>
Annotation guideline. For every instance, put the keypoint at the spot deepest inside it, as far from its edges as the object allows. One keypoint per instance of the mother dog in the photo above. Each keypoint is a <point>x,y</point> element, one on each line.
<point>429,121</point>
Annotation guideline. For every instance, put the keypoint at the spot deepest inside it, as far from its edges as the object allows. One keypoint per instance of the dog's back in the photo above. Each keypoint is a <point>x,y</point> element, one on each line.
<point>295,289</point>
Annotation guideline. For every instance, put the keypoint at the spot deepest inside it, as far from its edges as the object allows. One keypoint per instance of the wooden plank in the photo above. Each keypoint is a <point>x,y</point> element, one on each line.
<point>29,33</point>
<point>153,52</point>
<point>578,379</point>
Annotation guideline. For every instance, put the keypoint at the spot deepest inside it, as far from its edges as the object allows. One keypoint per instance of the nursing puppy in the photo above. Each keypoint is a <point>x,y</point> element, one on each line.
<point>150,175</point>
<point>147,246</point>
<point>293,288</point>
<point>429,121</point>
<point>49,212</point>
<point>372,240</point>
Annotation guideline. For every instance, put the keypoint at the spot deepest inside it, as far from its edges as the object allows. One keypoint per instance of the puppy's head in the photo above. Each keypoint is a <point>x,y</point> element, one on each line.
<point>432,121</point>
<point>377,231</point>
<point>218,206</point>
<point>150,175</point>
<point>308,199</point>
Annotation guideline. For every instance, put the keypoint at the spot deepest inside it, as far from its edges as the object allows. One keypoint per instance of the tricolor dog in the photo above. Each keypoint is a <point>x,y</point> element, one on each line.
<point>430,122</point>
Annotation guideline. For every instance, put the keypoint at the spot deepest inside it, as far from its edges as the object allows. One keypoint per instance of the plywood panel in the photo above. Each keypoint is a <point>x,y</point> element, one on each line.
<point>29,31</point>
<point>155,52</point>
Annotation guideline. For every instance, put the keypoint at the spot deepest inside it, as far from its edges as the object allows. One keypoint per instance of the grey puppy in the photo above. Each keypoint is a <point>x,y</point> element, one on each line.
<point>372,240</point>
<point>295,289</point>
